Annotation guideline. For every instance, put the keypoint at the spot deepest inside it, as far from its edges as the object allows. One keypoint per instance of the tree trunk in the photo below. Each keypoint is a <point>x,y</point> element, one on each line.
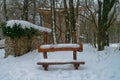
<point>34,11</point>
<point>100,41</point>
<point>104,9</point>
<point>67,40</point>
<point>25,10</point>
<point>72,19</point>
<point>5,10</point>
<point>53,21</point>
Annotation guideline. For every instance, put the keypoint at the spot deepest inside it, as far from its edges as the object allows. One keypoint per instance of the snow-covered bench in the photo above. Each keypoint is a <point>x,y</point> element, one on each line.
<point>60,47</point>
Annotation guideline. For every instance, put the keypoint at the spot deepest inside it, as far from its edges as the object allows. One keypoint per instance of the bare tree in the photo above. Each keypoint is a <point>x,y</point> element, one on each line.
<point>5,10</point>
<point>105,17</point>
<point>72,18</point>
<point>67,22</point>
<point>25,10</point>
<point>34,10</point>
<point>53,21</point>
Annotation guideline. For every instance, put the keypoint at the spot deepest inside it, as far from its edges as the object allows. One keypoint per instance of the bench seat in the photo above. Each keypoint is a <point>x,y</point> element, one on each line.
<point>46,62</point>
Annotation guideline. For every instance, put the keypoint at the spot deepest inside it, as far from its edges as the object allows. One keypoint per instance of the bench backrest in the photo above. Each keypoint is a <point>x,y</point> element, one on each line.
<point>52,49</point>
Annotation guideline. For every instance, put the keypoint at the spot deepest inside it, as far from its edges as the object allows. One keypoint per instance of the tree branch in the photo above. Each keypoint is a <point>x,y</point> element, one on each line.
<point>91,13</point>
<point>111,19</point>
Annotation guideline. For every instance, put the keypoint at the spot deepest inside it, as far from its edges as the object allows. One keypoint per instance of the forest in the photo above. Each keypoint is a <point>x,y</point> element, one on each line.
<point>94,21</point>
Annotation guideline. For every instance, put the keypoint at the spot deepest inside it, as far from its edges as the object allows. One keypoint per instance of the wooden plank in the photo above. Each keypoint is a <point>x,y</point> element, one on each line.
<point>58,49</point>
<point>80,49</point>
<point>46,64</point>
<point>56,63</point>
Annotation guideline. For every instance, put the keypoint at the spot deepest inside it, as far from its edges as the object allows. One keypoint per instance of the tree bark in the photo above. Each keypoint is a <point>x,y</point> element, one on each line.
<point>25,10</point>
<point>34,10</point>
<point>53,21</point>
<point>72,19</point>
<point>67,22</point>
<point>5,10</point>
<point>104,10</point>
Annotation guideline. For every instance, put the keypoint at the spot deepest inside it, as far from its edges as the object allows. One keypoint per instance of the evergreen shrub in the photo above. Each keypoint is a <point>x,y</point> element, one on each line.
<point>16,31</point>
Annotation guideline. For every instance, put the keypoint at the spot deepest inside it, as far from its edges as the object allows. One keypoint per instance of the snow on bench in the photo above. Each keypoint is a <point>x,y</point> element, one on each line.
<point>60,47</point>
<point>46,62</point>
<point>57,60</point>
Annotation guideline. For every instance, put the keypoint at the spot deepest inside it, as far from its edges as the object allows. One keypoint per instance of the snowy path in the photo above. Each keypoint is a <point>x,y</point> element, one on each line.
<point>104,65</point>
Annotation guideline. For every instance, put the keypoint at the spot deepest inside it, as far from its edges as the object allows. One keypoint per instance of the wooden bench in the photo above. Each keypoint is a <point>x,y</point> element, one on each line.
<point>60,47</point>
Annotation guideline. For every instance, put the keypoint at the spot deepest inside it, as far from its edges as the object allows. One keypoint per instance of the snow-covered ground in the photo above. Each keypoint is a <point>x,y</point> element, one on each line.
<point>103,65</point>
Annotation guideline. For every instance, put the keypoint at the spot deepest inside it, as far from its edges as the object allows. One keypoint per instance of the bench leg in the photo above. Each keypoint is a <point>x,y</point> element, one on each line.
<point>45,66</point>
<point>74,55</point>
<point>76,66</point>
<point>45,55</point>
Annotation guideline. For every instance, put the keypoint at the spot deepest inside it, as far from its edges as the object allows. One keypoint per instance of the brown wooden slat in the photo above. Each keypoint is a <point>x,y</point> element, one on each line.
<point>60,49</point>
<point>46,64</point>
<point>56,63</point>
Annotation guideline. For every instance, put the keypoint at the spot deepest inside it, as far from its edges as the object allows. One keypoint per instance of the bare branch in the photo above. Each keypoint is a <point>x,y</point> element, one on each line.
<point>111,19</point>
<point>91,13</point>
<point>86,17</point>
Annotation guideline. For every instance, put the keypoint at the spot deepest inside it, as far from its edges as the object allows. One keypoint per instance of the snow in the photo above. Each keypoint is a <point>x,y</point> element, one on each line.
<point>60,46</point>
<point>27,24</point>
<point>102,65</point>
<point>59,60</point>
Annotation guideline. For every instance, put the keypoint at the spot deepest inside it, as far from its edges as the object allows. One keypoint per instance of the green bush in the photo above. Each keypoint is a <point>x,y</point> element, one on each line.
<point>16,31</point>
